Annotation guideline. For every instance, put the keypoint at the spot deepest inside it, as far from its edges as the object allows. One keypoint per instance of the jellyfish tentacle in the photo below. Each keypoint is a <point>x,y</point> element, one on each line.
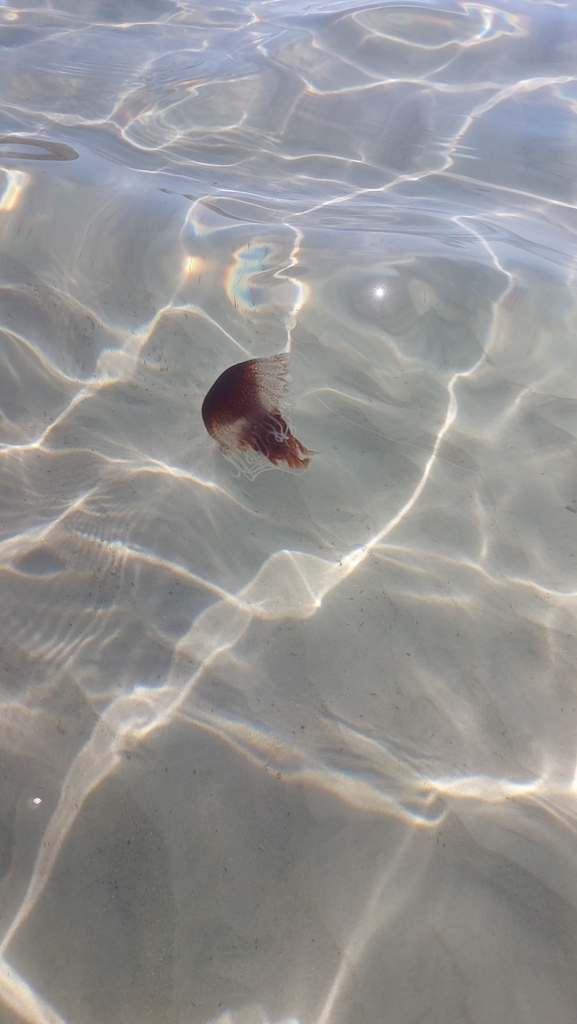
<point>279,430</point>
<point>258,444</point>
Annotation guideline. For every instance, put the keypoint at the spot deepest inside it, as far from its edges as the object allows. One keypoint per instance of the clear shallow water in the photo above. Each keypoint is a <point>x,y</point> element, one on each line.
<point>301,749</point>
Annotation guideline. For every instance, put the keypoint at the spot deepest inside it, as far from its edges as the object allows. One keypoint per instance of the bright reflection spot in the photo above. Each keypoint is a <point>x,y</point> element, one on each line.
<point>193,265</point>
<point>15,185</point>
<point>11,16</point>
<point>493,24</point>
<point>379,292</point>
<point>37,800</point>
<point>243,278</point>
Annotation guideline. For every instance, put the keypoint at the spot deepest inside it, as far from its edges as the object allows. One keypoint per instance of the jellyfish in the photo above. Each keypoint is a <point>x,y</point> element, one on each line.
<point>242,412</point>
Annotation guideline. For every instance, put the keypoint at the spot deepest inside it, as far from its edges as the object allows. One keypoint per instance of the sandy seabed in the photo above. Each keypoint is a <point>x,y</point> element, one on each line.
<point>299,749</point>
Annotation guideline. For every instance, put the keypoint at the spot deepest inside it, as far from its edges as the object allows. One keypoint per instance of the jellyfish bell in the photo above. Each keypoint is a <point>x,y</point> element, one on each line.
<point>243,412</point>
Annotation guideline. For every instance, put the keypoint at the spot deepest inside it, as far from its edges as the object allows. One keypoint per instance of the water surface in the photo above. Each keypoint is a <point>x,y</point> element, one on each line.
<point>300,749</point>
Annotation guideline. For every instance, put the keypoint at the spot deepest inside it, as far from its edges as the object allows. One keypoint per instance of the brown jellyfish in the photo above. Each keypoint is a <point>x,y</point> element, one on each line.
<point>242,412</point>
